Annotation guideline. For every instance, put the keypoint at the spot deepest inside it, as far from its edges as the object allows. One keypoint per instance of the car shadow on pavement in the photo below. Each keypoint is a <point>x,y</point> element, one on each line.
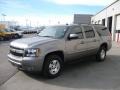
<point>87,74</point>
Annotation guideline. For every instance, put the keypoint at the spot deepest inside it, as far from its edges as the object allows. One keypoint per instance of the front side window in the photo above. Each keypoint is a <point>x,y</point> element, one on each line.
<point>78,31</point>
<point>6,30</point>
<point>89,32</point>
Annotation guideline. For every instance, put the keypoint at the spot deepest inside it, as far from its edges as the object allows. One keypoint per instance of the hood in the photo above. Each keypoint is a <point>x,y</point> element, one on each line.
<point>30,42</point>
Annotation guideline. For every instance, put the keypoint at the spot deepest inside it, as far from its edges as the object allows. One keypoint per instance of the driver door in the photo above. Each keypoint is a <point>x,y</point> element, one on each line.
<point>75,47</point>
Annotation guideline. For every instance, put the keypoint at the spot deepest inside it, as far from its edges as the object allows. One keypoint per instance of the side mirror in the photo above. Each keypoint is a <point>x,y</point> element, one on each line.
<point>73,36</point>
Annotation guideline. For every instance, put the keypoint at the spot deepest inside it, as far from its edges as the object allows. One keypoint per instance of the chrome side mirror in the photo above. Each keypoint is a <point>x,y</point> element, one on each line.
<point>73,36</point>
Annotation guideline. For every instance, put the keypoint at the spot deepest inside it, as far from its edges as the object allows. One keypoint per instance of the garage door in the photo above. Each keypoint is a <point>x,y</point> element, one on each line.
<point>118,28</point>
<point>118,23</point>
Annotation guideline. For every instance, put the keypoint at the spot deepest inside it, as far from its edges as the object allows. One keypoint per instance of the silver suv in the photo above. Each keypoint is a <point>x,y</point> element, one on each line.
<point>57,44</point>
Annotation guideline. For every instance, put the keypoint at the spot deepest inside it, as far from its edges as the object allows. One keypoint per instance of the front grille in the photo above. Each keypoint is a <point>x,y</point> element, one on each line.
<point>16,51</point>
<point>16,54</point>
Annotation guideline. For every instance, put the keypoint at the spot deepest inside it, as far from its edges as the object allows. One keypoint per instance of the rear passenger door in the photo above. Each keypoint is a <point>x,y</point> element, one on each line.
<point>91,39</point>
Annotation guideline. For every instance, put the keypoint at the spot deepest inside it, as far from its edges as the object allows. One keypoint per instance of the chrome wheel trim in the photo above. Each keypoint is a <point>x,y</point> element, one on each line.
<point>102,54</point>
<point>54,67</point>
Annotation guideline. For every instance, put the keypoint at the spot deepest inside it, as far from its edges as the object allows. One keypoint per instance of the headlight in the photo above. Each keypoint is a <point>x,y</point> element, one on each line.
<point>32,52</point>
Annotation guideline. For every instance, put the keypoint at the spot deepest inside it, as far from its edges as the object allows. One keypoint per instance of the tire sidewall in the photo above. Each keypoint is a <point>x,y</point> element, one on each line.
<point>48,59</point>
<point>99,54</point>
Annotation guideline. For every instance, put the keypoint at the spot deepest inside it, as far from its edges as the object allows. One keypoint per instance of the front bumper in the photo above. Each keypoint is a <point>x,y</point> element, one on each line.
<point>26,63</point>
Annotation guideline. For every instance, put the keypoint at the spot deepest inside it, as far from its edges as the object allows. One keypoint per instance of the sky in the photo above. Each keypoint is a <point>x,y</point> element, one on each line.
<point>45,12</point>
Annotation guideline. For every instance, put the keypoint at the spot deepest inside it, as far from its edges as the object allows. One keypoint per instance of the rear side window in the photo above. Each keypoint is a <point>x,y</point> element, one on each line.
<point>102,31</point>
<point>89,32</point>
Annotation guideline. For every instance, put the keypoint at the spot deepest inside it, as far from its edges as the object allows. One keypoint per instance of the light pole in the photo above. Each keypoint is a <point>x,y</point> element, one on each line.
<point>37,24</point>
<point>26,22</point>
<point>3,16</point>
<point>30,23</point>
<point>49,22</point>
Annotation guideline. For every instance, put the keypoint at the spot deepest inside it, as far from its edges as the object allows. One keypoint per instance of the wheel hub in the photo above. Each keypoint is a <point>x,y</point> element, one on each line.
<point>54,67</point>
<point>102,54</point>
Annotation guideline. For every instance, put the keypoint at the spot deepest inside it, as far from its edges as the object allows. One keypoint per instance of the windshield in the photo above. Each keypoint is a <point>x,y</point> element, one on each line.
<point>12,30</point>
<point>53,32</point>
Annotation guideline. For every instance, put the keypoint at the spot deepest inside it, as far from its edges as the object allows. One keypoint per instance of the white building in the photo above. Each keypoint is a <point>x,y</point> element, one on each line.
<point>110,17</point>
<point>82,18</point>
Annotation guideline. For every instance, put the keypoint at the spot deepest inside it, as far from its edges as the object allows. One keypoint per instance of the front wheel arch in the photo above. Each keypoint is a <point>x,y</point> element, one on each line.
<point>59,53</point>
<point>104,45</point>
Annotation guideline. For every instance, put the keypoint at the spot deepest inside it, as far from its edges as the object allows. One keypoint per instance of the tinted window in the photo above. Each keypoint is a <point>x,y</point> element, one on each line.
<point>77,30</point>
<point>103,22</point>
<point>89,32</point>
<point>102,31</point>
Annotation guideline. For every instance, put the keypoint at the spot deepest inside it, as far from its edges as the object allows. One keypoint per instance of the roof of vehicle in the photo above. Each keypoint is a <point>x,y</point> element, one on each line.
<point>65,25</point>
<point>78,25</point>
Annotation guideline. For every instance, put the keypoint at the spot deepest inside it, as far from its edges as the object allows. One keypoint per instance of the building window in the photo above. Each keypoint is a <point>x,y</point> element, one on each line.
<point>92,22</point>
<point>103,22</point>
<point>98,21</point>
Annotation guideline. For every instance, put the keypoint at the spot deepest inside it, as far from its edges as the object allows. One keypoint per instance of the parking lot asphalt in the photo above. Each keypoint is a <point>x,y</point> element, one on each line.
<point>6,69</point>
<point>84,75</point>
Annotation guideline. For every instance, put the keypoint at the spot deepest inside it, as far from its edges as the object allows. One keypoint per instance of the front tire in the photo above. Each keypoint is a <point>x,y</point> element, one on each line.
<point>101,55</point>
<point>53,66</point>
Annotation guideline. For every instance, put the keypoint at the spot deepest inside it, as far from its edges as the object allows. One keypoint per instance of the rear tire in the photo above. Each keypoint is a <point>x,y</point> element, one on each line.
<point>53,66</point>
<point>101,55</point>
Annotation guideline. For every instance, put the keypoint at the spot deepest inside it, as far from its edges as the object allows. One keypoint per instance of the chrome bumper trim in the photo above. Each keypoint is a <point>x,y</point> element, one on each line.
<point>15,62</point>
